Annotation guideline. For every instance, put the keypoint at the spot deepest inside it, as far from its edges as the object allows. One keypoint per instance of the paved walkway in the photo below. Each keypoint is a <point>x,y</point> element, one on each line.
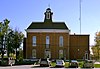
<point>32,67</point>
<point>17,67</point>
<point>97,63</point>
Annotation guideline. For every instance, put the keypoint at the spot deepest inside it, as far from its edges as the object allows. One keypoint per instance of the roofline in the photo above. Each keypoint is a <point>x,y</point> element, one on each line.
<point>79,34</point>
<point>48,30</point>
<point>52,22</point>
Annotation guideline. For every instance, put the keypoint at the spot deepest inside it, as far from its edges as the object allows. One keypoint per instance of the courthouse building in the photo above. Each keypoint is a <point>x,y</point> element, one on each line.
<point>49,39</point>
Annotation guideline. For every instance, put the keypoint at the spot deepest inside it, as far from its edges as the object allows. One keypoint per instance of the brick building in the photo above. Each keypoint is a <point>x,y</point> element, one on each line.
<point>50,39</point>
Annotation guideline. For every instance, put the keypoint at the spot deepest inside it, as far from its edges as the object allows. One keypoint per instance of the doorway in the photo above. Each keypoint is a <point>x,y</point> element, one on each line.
<point>47,54</point>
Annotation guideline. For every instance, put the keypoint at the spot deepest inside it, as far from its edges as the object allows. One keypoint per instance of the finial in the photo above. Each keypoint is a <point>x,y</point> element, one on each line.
<point>49,5</point>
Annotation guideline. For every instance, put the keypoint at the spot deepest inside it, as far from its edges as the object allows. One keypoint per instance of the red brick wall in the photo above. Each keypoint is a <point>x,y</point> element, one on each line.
<point>74,42</point>
<point>41,41</point>
<point>79,44</point>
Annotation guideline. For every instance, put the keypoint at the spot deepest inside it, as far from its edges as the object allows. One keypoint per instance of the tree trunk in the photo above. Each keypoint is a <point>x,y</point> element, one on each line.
<point>2,50</point>
<point>7,52</point>
<point>16,53</point>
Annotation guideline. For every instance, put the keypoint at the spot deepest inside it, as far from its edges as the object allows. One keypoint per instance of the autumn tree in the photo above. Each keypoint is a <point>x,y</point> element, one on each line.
<point>96,47</point>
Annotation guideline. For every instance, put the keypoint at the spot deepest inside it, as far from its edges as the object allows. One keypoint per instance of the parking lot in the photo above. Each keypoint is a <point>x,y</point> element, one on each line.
<point>34,67</point>
<point>53,65</point>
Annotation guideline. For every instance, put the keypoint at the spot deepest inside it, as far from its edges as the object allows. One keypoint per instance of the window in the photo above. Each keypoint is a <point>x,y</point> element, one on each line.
<point>34,41</point>
<point>61,41</point>
<point>47,54</point>
<point>34,53</point>
<point>60,54</point>
<point>47,41</point>
<point>86,56</point>
<point>47,15</point>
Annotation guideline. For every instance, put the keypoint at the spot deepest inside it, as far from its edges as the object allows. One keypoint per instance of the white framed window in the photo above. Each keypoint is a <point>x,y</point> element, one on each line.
<point>34,53</point>
<point>48,15</point>
<point>61,41</point>
<point>61,54</point>
<point>47,41</point>
<point>34,41</point>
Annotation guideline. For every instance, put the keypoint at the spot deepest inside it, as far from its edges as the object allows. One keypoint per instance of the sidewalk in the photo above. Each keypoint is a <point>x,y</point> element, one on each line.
<point>97,63</point>
<point>18,67</point>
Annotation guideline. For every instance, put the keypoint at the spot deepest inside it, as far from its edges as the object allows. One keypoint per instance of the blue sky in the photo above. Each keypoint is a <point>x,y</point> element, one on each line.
<point>22,12</point>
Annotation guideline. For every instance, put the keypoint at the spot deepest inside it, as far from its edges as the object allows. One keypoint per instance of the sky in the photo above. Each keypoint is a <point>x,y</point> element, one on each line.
<point>22,13</point>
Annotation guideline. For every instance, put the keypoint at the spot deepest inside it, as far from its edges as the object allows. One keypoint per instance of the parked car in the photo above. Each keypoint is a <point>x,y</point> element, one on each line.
<point>44,62</point>
<point>88,64</point>
<point>60,63</point>
<point>74,64</point>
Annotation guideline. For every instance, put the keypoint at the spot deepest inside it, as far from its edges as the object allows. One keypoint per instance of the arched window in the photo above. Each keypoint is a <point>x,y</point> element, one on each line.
<point>47,15</point>
<point>47,41</point>
<point>34,41</point>
<point>61,41</point>
<point>34,53</point>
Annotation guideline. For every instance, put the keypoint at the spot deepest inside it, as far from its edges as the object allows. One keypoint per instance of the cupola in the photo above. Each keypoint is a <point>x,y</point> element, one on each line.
<point>48,15</point>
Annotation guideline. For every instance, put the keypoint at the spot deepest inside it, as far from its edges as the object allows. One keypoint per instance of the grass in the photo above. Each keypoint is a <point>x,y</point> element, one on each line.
<point>53,64</point>
<point>97,65</point>
<point>66,64</point>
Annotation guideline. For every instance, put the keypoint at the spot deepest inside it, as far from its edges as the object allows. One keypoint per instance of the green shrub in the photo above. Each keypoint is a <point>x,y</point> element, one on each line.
<point>53,64</point>
<point>66,64</point>
<point>24,62</point>
<point>20,59</point>
<point>4,62</point>
<point>81,64</point>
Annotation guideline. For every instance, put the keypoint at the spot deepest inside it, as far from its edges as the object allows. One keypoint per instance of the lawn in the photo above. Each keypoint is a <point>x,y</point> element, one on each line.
<point>53,64</point>
<point>97,65</point>
<point>66,64</point>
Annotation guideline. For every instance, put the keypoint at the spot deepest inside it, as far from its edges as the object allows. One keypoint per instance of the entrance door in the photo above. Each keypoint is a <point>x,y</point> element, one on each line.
<point>47,54</point>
